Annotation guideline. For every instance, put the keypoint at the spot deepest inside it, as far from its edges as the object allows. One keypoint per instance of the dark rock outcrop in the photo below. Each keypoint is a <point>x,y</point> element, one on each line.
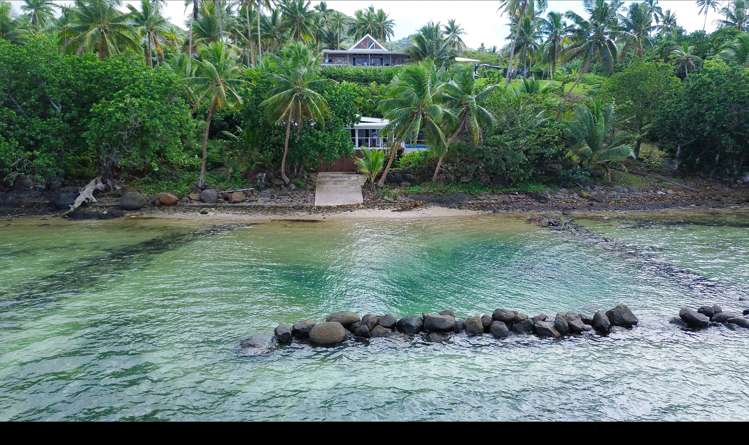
<point>387,321</point>
<point>370,320</point>
<point>545,329</point>
<point>380,331</point>
<point>410,325</point>
<point>523,327</point>
<point>474,326</point>
<point>504,315</point>
<point>362,330</point>
<point>63,200</point>
<point>132,201</point>
<point>209,196</point>
<point>723,317</point>
<point>740,321</point>
<point>499,329</point>
<point>301,329</point>
<point>622,316</point>
<point>561,324</point>
<point>486,321</point>
<point>710,311</point>
<point>256,345</point>
<point>693,319</point>
<point>439,323</point>
<point>283,334</point>
<point>601,323</point>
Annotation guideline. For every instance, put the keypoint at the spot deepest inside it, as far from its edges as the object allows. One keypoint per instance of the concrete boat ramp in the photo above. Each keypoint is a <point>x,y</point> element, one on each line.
<point>339,189</point>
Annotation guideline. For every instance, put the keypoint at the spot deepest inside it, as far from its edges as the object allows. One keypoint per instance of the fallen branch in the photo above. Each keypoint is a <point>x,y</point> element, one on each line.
<point>86,194</point>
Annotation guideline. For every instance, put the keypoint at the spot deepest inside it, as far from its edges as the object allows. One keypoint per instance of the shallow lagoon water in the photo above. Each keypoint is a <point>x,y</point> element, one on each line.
<point>141,319</point>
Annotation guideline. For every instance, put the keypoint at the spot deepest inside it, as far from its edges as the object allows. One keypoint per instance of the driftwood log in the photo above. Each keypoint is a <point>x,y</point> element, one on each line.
<point>86,194</point>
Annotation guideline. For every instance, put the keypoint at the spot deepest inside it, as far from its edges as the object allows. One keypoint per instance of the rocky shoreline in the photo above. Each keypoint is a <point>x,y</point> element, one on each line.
<point>276,200</point>
<point>439,327</point>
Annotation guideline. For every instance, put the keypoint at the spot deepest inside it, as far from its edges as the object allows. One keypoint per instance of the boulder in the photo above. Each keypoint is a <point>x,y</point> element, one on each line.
<point>586,319</point>
<point>545,329</point>
<point>132,201</point>
<point>561,324</point>
<point>327,334</point>
<point>362,330</point>
<point>344,317</point>
<point>236,197</point>
<point>301,329</point>
<point>504,315</point>
<point>387,321</point>
<point>370,320</point>
<point>678,322</point>
<point>523,327</point>
<point>474,326</point>
<point>438,337</point>
<point>723,317</point>
<point>256,345</point>
<point>746,312</point>
<point>486,321</point>
<point>439,323</point>
<point>460,326</point>
<point>209,196</point>
<point>410,325</point>
<point>539,317</point>
<point>283,334</point>
<point>380,331</point>
<point>693,319</point>
<point>740,321</point>
<point>63,200</point>
<point>575,323</point>
<point>601,323</point>
<point>519,316</point>
<point>23,183</point>
<point>621,316</point>
<point>710,311</point>
<point>499,329</point>
<point>166,199</point>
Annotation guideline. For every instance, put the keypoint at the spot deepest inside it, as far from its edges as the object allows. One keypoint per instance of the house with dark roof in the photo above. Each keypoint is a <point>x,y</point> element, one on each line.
<point>366,52</point>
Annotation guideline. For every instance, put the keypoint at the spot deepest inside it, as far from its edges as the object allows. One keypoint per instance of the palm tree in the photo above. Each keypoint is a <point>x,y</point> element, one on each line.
<point>737,51</point>
<point>430,43</point>
<point>638,25</point>
<point>597,142</point>
<point>593,39</point>
<point>151,25</point>
<point>553,28</point>
<point>216,77</point>
<point>685,59</point>
<point>97,25</point>
<point>384,26</point>
<point>515,9</point>
<point>527,40</point>
<point>735,15</point>
<point>462,97</point>
<point>364,23</point>
<point>337,25</point>
<point>668,23</point>
<point>453,34</point>
<point>654,10</point>
<point>411,106</point>
<point>297,19</point>
<point>39,12</point>
<point>9,29</point>
<point>207,28</point>
<point>260,4</point>
<point>273,32</point>
<point>705,7</point>
<point>296,98</point>
<point>371,164</point>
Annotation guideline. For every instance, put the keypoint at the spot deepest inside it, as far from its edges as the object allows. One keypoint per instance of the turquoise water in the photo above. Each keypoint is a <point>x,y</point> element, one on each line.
<point>140,319</point>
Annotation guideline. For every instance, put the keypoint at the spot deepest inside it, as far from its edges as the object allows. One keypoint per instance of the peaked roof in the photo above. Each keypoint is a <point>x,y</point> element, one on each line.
<point>374,44</point>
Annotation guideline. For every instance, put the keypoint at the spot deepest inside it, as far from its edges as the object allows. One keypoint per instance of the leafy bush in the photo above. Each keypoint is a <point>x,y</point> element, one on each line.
<point>415,159</point>
<point>638,92</point>
<point>361,75</point>
<point>705,126</point>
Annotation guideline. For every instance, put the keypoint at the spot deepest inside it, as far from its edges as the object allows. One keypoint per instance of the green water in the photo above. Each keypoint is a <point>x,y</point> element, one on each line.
<point>139,319</point>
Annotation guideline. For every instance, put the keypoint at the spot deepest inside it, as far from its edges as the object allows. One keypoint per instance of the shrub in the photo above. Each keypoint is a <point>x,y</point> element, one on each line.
<point>705,126</point>
<point>361,75</point>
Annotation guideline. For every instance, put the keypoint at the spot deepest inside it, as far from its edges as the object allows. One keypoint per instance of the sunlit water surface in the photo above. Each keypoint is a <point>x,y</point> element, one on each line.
<point>142,319</point>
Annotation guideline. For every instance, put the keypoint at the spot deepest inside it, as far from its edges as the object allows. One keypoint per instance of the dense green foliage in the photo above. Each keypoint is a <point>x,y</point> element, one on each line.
<point>103,88</point>
<point>706,125</point>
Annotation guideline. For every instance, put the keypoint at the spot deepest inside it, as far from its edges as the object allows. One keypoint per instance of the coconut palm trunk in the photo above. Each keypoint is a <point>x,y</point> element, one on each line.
<point>259,43</point>
<point>286,151</point>
<point>450,141</point>
<point>391,158</point>
<point>204,151</point>
<point>249,36</point>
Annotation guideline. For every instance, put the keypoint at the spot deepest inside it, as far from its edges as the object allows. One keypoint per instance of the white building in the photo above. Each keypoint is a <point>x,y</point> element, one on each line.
<point>367,134</point>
